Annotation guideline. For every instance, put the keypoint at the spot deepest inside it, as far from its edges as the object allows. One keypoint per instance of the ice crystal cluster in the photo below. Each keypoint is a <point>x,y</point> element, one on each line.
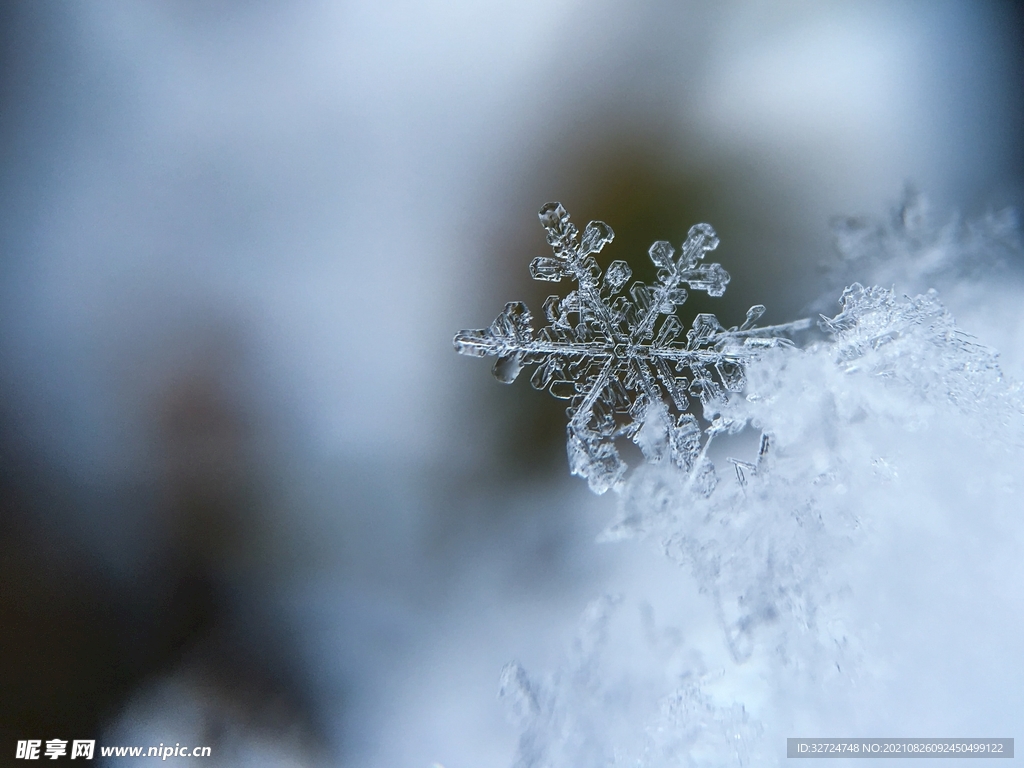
<point>860,572</point>
<point>619,357</point>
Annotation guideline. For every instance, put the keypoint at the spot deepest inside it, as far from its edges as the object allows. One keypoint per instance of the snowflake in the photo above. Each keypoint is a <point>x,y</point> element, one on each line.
<point>618,357</point>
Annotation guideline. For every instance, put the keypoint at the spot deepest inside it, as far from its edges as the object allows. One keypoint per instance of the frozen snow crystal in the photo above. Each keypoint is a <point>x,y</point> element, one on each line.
<point>916,341</point>
<point>853,429</point>
<point>885,448</point>
<point>621,359</point>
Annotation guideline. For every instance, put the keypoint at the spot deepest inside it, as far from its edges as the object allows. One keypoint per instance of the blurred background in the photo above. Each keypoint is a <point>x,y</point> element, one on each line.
<point>249,496</point>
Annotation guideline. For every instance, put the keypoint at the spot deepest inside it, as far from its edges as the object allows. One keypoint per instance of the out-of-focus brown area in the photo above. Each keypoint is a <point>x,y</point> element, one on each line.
<point>77,643</point>
<point>65,659</point>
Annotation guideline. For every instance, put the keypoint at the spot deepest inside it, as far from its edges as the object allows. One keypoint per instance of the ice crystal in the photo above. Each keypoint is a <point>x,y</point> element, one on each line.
<point>584,713</point>
<point>859,424</point>
<point>885,445</point>
<point>621,359</point>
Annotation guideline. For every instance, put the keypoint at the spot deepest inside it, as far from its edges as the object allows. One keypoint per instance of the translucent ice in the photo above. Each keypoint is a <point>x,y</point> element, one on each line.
<point>618,358</point>
<point>882,498</point>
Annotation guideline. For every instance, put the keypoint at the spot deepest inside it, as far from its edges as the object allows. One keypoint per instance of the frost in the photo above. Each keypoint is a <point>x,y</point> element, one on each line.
<point>584,713</point>
<point>850,429</point>
<point>884,458</point>
<point>621,359</point>
<point>916,342</point>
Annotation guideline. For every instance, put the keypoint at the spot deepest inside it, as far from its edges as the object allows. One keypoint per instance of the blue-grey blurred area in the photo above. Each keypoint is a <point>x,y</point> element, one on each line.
<point>251,498</point>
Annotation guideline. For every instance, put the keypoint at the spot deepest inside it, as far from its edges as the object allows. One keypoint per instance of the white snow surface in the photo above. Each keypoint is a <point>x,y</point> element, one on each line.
<point>862,578</point>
